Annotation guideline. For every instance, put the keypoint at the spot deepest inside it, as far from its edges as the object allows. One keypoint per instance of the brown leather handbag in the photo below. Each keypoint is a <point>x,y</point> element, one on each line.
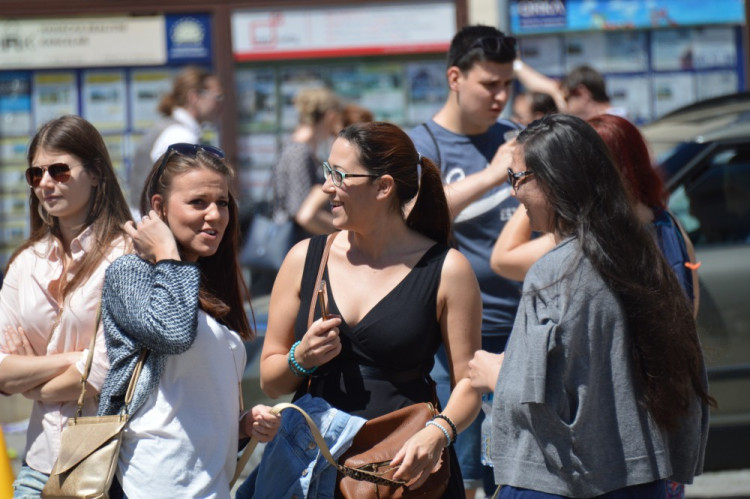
<point>372,450</point>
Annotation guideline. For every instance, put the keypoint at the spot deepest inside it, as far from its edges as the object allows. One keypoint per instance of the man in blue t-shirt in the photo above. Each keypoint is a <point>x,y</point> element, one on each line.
<point>463,140</point>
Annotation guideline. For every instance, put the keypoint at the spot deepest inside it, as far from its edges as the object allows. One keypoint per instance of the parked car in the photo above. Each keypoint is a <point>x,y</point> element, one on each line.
<point>703,151</point>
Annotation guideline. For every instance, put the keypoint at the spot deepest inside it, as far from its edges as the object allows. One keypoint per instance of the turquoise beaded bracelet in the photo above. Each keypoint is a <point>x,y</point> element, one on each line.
<point>445,432</point>
<point>295,367</point>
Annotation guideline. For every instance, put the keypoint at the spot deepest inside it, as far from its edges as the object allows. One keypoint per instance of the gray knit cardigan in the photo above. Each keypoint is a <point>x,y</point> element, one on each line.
<point>145,305</point>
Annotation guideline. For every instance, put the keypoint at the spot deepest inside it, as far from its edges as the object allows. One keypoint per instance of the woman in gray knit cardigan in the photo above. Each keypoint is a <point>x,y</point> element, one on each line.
<point>182,300</point>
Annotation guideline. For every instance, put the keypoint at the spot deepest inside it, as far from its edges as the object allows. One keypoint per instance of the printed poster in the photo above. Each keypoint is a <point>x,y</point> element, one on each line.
<point>55,94</point>
<point>147,87</point>
<point>426,90</point>
<point>672,91</point>
<point>105,99</point>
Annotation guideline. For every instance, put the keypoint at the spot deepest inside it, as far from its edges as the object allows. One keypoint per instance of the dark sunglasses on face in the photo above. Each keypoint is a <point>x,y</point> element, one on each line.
<point>514,178</point>
<point>185,149</point>
<point>60,172</point>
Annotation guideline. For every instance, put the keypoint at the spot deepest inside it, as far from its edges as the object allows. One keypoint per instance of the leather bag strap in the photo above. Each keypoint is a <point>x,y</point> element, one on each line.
<point>321,270</point>
<point>89,360</point>
<point>320,441</point>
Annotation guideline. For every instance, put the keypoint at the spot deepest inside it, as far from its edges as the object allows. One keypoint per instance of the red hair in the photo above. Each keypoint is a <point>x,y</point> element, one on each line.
<point>630,154</point>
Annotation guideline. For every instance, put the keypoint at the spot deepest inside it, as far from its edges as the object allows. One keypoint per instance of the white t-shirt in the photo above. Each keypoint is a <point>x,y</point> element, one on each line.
<point>186,130</point>
<point>183,441</point>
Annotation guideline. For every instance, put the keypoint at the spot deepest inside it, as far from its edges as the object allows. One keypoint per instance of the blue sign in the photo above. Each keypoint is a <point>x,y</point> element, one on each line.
<point>188,38</point>
<point>544,16</point>
<point>541,14</point>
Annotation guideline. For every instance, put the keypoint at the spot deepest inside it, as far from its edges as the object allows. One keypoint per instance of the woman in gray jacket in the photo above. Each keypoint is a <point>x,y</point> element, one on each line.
<point>602,389</point>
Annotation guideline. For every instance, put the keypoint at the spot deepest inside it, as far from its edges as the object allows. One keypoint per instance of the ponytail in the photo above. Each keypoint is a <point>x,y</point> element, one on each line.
<point>430,214</point>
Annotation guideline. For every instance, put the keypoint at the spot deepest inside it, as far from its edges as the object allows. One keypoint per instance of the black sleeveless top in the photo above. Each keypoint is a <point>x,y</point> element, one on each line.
<point>386,358</point>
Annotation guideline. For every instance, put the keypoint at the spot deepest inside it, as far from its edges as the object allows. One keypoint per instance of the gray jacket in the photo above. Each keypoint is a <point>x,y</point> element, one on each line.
<point>567,416</point>
<point>145,306</point>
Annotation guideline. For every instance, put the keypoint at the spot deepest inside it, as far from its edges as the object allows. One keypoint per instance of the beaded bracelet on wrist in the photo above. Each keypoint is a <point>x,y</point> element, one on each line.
<point>432,422</point>
<point>295,366</point>
<point>451,423</point>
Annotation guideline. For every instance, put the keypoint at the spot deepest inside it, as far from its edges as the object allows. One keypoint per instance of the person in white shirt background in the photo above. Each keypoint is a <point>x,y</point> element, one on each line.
<point>195,99</point>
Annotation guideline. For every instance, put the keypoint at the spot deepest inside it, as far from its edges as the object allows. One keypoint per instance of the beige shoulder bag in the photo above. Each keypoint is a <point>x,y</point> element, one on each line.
<point>90,446</point>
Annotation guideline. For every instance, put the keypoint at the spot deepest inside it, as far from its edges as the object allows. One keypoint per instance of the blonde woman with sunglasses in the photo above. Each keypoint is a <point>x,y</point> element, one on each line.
<point>53,286</point>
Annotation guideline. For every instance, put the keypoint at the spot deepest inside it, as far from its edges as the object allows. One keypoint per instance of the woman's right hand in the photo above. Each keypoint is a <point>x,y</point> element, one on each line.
<point>152,238</point>
<point>320,344</point>
<point>16,342</point>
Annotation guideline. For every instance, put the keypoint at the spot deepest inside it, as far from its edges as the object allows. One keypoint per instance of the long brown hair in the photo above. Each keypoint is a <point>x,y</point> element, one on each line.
<point>223,292</point>
<point>108,210</point>
<point>385,149</point>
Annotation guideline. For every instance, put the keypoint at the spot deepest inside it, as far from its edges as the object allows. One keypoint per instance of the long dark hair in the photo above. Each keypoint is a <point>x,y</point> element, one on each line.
<point>574,170</point>
<point>384,149</point>
<point>108,211</point>
<point>223,291</point>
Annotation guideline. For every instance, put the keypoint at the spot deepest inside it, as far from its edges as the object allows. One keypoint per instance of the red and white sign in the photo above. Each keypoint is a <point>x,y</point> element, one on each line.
<point>371,29</point>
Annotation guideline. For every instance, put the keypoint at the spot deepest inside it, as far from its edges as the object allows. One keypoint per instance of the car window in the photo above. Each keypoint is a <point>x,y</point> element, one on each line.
<point>713,201</point>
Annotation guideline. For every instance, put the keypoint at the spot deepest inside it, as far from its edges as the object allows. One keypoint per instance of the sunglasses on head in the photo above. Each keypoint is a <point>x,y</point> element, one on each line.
<point>59,172</point>
<point>491,46</point>
<point>190,150</point>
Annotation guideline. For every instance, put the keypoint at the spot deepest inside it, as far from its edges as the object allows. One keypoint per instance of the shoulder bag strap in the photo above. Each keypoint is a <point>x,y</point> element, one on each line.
<point>357,474</point>
<point>90,359</point>
<point>249,448</point>
<point>434,141</point>
<point>321,270</point>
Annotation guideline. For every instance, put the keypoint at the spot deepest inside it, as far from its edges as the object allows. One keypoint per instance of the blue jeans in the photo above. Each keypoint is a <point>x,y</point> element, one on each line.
<point>651,490</point>
<point>468,444</point>
<point>29,483</point>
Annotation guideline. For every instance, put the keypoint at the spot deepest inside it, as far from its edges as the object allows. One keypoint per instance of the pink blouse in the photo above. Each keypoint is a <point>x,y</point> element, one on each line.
<point>26,300</point>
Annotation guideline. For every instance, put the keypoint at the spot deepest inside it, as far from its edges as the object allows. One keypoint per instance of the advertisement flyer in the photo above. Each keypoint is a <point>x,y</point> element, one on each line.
<point>15,103</point>
<point>105,99</point>
<point>55,94</point>
<point>671,91</point>
<point>256,100</point>
<point>427,90</point>
<point>147,87</point>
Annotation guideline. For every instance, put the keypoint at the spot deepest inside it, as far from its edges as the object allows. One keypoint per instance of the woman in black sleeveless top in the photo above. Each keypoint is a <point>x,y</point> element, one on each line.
<point>395,292</point>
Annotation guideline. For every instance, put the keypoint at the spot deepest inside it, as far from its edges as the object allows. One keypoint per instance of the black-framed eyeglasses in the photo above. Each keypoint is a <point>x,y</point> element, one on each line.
<point>186,149</point>
<point>514,178</point>
<point>59,172</point>
<point>338,177</point>
<point>492,46</point>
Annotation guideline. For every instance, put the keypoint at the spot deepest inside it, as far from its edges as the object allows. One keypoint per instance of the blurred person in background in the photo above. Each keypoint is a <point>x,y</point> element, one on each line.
<point>196,98</point>
<point>298,168</point>
<point>531,106</point>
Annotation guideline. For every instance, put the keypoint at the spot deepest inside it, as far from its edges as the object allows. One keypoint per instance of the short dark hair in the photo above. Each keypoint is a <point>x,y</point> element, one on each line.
<point>589,78</point>
<point>480,43</point>
<point>542,103</point>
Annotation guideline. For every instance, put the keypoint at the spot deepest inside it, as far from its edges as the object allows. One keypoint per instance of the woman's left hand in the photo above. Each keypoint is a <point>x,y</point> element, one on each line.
<point>261,423</point>
<point>419,457</point>
<point>16,342</point>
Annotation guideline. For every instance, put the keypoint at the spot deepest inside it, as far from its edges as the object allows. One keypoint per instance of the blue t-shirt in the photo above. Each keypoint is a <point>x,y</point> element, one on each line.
<point>477,227</point>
